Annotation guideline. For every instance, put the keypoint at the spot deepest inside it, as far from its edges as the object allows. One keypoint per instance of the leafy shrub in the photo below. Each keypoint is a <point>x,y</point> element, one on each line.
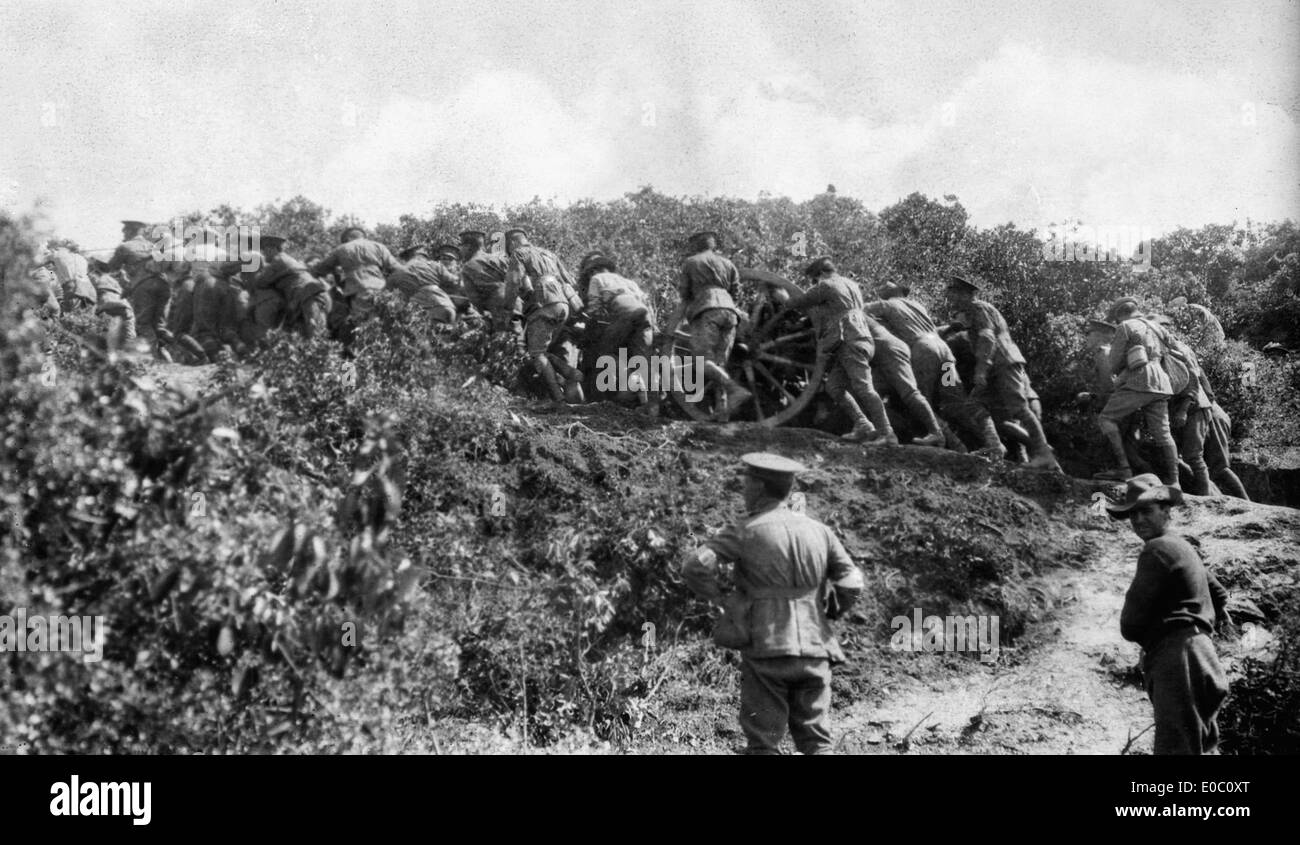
<point>1262,713</point>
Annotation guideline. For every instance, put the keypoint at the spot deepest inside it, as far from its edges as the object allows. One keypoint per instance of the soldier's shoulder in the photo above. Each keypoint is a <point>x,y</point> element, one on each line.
<point>1171,547</point>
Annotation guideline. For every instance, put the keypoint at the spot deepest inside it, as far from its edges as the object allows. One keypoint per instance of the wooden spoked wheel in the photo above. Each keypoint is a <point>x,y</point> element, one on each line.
<point>776,360</point>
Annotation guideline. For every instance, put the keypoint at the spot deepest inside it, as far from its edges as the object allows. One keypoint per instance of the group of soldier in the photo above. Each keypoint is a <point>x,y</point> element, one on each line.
<point>890,367</point>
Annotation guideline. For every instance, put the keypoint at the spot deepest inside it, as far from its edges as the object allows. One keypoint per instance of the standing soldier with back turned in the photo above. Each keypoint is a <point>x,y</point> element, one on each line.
<point>786,564</point>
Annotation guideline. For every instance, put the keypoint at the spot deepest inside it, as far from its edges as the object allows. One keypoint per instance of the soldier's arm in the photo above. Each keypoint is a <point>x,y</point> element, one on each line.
<point>516,280</point>
<point>388,262</point>
<point>983,344</point>
<point>876,308</point>
<point>700,569</point>
<point>326,265</point>
<point>733,280</point>
<point>1141,609</point>
<point>1118,360</point>
<point>815,295</point>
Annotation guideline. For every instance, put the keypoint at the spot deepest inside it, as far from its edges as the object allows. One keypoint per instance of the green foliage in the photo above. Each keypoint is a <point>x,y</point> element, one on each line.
<point>1262,713</point>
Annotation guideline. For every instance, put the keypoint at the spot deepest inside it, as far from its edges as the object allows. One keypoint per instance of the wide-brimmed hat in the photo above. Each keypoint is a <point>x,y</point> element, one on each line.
<point>1141,490</point>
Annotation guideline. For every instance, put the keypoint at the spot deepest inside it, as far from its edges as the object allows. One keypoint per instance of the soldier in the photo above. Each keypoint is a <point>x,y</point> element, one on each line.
<point>446,261</point>
<point>419,281</point>
<point>845,340</point>
<point>785,563</point>
<point>1141,385</point>
<point>707,284</point>
<point>180,314</point>
<point>536,278</point>
<point>1171,609</point>
<point>935,368</point>
<point>892,362</point>
<point>73,273</point>
<point>147,289</point>
<point>619,310</point>
<point>221,324</point>
<point>1200,426</point>
<point>364,265</point>
<point>303,299</point>
<point>120,332</point>
<point>618,316</point>
<point>483,275</point>
<point>1000,381</point>
<point>186,268</point>
<point>1217,454</point>
<point>1101,381</point>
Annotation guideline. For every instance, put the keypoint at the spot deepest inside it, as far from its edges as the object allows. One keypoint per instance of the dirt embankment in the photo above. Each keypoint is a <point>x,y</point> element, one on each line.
<point>937,533</point>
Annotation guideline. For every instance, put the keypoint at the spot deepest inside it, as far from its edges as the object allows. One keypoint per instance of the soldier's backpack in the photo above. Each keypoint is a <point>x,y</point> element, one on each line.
<point>1175,361</point>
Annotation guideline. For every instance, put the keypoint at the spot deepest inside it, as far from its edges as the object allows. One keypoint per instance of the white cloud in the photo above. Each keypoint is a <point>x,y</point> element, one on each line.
<point>1040,137</point>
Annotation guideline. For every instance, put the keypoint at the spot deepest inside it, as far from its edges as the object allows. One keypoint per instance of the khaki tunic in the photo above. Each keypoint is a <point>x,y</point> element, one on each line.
<point>783,561</point>
<point>707,281</point>
<point>364,265</point>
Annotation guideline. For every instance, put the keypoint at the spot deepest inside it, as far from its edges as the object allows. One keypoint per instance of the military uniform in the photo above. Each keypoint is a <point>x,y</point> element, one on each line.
<point>545,289</point>
<point>483,276</point>
<point>304,301</point>
<point>934,367</point>
<point>1000,381</point>
<point>625,310</point>
<point>1218,454</point>
<point>147,290</point>
<point>1170,610</point>
<point>73,273</point>
<point>221,316</point>
<point>116,307</point>
<point>363,266</point>
<point>1141,384</point>
<point>844,339</point>
<point>892,363</point>
<point>784,564</point>
<point>706,286</point>
<point>540,283</point>
<point>420,282</point>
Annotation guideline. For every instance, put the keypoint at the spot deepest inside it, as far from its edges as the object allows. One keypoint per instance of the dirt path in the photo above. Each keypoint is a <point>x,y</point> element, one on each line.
<point>1065,689</point>
<point>1071,686</point>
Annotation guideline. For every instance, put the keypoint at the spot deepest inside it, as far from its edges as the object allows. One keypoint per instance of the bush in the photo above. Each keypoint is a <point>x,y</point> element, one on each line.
<point>1262,713</point>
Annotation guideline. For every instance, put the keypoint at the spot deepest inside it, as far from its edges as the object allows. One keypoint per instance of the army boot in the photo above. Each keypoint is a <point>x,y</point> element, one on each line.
<point>1122,470</point>
<point>1041,455</point>
<point>1169,466</point>
<point>924,414</point>
<point>544,369</point>
<point>863,430</point>
<point>875,412</point>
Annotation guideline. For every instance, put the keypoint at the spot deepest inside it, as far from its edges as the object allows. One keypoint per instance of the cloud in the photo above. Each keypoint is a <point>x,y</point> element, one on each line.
<point>720,98</point>
<point>1037,137</point>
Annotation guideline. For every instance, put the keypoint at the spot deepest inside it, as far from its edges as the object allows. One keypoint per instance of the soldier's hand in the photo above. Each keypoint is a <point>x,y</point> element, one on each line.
<point>980,382</point>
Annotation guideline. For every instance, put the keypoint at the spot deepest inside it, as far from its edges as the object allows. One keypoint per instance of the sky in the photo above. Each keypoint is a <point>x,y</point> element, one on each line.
<point>1153,114</point>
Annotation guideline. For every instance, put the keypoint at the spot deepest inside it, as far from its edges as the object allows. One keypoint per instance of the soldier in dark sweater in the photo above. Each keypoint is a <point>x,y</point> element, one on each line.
<point>1171,609</point>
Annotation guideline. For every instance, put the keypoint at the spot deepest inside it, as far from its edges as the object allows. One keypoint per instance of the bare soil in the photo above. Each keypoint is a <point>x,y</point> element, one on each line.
<point>1067,684</point>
